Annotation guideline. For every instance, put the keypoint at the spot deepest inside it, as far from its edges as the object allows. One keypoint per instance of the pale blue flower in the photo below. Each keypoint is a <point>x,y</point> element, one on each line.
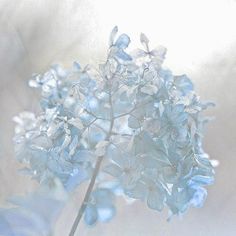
<point>145,122</point>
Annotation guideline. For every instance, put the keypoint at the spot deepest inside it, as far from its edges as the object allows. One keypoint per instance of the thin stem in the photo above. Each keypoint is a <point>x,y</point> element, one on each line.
<point>86,197</point>
<point>126,113</point>
<point>122,134</point>
<point>111,115</point>
<point>94,176</point>
<point>92,114</point>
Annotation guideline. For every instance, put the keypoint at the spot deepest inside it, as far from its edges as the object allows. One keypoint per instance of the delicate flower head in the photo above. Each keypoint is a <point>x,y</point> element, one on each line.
<point>144,122</point>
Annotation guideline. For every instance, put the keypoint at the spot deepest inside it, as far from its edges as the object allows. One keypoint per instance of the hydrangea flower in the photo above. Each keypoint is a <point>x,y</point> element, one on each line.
<point>130,121</point>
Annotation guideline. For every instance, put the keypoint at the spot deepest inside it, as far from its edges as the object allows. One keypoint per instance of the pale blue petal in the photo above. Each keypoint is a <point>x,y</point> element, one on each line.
<point>123,41</point>
<point>113,170</point>
<point>133,122</point>
<point>199,197</point>
<point>76,178</point>
<point>123,55</point>
<point>183,83</point>
<point>90,215</point>
<point>105,214</point>
<point>155,200</point>
<point>112,36</point>
<point>202,180</point>
<point>139,191</point>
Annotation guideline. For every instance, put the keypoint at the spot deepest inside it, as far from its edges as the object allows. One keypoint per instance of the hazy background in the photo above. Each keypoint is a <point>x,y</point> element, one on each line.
<point>201,40</point>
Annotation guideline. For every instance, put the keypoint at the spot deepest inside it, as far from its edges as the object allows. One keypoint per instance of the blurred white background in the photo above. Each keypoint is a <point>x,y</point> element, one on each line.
<point>201,40</point>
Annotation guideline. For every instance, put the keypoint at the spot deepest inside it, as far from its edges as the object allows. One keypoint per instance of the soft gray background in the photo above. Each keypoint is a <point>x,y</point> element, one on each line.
<point>201,39</point>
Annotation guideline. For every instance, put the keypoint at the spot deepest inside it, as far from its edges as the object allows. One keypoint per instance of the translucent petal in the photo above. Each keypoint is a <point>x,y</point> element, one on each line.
<point>76,122</point>
<point>105,214</point>
<point>103,197</point>
<point>155,200</point>
<point>130,178</point>
<point>83,156</point>
<point>112,36</point>
<point>139,191</point>
<point>53,129</point>
<point>113,170</point>
<point>183,83</point>
<point>76,66</point>
<point>123,55</point>
<point>159,52</point>
<point>76,178</point>
<point>73,145</point>
<point>144,40</point>
<point>133,122</point>
<point>149,89</point>
<point>66,141</point>
<point>123,41</point>
<point>199,197</point>
<point>203,180</point>
<point>138,53</point>
<point>170,174</point>
<point>90,215</point>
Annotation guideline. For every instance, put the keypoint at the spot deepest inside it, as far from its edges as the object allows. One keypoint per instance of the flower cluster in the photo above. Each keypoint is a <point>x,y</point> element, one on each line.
<point>143,122</point>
